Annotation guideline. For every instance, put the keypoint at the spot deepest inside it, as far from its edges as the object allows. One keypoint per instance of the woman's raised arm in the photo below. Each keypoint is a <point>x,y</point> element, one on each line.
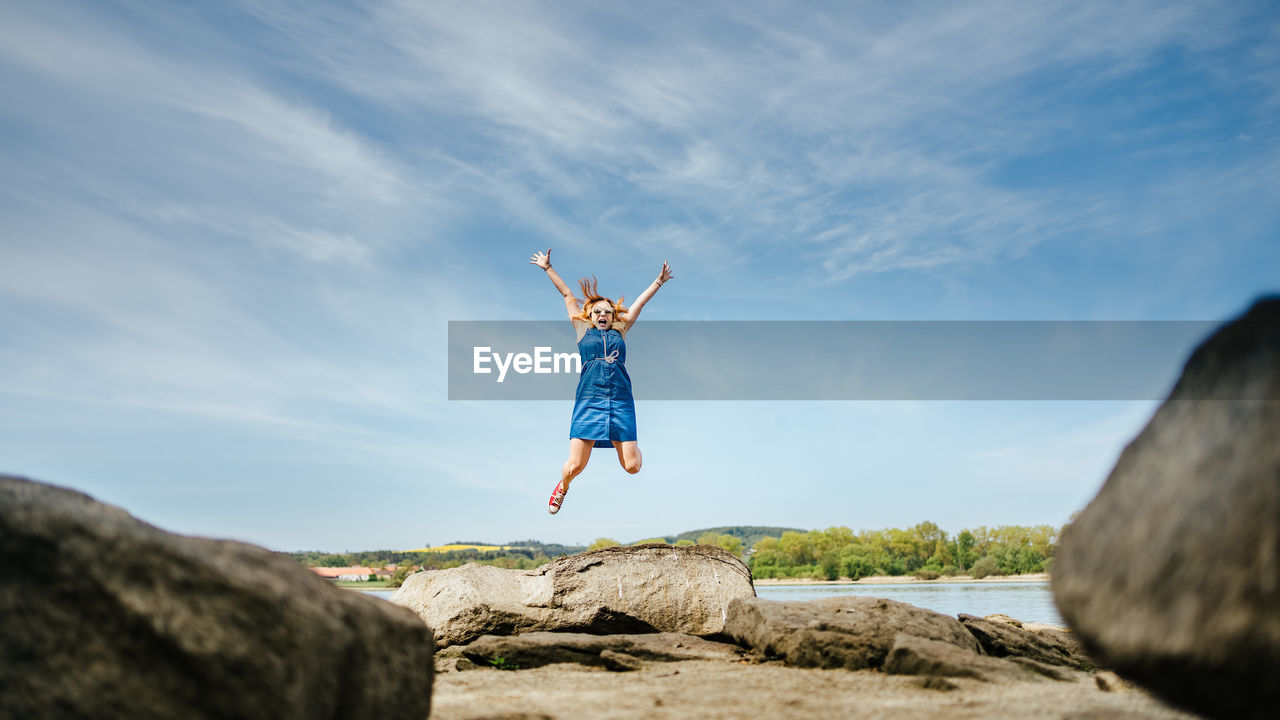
<point>543,260</point>
<point>633,312</point>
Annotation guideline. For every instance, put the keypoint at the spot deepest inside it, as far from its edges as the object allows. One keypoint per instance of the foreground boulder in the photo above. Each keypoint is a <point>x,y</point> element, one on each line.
<point>853,632</point>
<point>635,589</point>
<point>1171,576</point>
<point>106,616</point>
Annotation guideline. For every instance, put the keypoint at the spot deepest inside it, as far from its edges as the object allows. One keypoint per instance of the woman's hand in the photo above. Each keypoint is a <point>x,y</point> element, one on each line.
<point>633,313</point>
<point>663,276</point>
<point>542,259</point>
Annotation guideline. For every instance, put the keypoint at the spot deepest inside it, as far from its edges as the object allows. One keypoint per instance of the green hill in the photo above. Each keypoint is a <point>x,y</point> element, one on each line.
<point>748,534</point>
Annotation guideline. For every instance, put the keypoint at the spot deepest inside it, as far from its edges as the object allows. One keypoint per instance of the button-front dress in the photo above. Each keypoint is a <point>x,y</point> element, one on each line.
<point>603,408</point>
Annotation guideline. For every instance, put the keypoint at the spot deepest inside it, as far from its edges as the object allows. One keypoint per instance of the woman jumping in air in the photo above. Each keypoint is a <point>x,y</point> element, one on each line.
<point>604,412</point>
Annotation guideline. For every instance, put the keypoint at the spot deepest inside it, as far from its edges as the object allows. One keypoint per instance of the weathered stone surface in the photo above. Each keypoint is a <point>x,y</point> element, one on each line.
<point>1062,636</point>
<point>1107,715</point>
<point>462,604</point>
<point>643,588</point>
<point>106,616</point>
<point>1056,635</point>
<point>511,716</point>
<point>844,632</point>
<point>620,661</point>
<point>931,682</point>
<point>1108,681</point>
<point>1053,672</point>
<point>773,691</point>
<point>912,655</point>
<point>1171,576</point>
<point>1002,639</point>
<point>614,652</point>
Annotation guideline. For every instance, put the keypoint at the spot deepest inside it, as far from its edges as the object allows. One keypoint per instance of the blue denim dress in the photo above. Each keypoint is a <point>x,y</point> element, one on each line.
<point>603,408</point>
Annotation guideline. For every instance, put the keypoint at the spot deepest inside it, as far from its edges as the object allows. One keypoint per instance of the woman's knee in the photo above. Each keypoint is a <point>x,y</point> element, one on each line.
<point>631,465</point>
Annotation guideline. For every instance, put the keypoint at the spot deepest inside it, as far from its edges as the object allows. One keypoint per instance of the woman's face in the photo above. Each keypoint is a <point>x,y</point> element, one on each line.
<point>601,315</point>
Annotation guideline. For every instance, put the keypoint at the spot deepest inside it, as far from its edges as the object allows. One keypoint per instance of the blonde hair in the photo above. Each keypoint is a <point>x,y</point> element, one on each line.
<point>593,296</point>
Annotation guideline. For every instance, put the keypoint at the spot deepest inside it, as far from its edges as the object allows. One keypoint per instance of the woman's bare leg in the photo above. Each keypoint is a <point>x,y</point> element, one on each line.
<point>579,454</point>
<point>629,455</point>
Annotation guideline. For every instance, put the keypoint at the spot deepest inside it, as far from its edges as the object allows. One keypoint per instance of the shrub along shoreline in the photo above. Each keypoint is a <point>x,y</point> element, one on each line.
<point>906,580</point>
<point>921,552</point>
<point>924,551</point>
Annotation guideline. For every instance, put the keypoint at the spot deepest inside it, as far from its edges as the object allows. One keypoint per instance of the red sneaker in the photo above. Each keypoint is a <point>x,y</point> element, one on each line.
<point>557,499</point>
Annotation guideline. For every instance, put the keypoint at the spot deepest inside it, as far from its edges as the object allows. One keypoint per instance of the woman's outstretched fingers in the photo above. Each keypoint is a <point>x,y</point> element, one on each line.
<point>665,275</point>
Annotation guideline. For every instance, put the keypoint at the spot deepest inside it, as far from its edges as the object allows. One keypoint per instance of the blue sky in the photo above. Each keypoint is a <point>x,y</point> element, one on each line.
<point>233,236</point>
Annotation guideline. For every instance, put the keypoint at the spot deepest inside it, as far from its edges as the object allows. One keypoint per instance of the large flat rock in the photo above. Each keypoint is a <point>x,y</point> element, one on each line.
<point>1171,575</point>
<point>612,652</point>
<point>106,616</point>
<point>852,632</point>
<point>643,588</point>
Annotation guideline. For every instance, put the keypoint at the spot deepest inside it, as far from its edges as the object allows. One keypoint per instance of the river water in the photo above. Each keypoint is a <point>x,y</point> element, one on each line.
<point>1026,601</point>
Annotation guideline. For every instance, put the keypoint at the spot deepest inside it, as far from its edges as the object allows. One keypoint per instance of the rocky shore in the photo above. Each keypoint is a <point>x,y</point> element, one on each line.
<point>107,616</point>
<point>601,641</point>
<point>733,691</point>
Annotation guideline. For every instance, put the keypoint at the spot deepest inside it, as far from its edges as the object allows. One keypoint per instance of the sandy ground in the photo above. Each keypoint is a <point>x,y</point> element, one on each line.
<point>715,690</point>
<point>905,579</point>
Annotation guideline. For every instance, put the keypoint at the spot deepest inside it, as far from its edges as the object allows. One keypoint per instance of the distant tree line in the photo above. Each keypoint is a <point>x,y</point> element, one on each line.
<point>924,550</point>
<point>708,537</point>
<point>524,555</point>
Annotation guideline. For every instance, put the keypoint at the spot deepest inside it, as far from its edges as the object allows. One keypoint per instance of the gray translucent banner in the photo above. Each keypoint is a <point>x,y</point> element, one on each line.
<point>836,360</point>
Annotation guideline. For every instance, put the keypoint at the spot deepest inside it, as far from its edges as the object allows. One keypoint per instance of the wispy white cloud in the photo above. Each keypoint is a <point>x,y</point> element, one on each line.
<point>150,132</point>
<point>868,132</point>
<point>164,310</point>
<point>185,239</point>
<point>118,76</point>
